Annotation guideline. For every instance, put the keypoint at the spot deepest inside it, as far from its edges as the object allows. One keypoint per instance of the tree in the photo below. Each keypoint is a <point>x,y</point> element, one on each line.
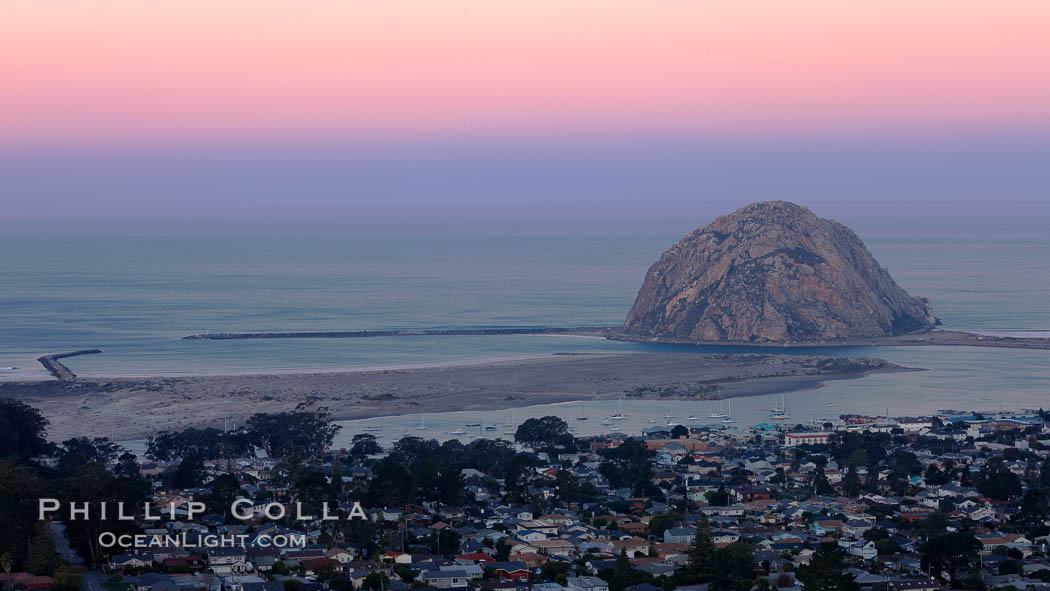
<point>679,431</point>
<point>949,552</point>
<point>43,556</point>
<point>23,430</point>
<point>996,481</point>
<point>821,485</point>
<point>826,571</point>
<point>717,498</point>
<point>702,553</point>
<point>628,465</point>
<point>364,444</point>
<point>935,476</point>
<point>312,431</point>
<point>19,489</point>
<point>75,452</point>
<point>545,433</point>
<point>224,491</point>
<point>189,473</point>
<point>851,482</point>
<point>733,568</point>
<point>658,524</point>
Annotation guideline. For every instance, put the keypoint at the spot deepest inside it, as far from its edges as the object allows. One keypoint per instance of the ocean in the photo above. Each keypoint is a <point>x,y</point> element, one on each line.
<point>135,297</point>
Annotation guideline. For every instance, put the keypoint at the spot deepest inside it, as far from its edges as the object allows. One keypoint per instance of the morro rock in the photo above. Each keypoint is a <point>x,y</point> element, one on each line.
<point>772,272</point>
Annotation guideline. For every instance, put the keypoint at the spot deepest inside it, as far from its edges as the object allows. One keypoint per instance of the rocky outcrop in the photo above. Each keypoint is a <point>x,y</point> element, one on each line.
<point>772,272</point>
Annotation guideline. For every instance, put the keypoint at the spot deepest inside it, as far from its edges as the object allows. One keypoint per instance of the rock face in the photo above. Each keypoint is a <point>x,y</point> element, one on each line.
<point>772,272</point>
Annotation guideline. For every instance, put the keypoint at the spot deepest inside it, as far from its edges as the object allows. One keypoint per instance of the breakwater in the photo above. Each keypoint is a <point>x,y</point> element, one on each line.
<point>357,334</point>
<point>54,367</point>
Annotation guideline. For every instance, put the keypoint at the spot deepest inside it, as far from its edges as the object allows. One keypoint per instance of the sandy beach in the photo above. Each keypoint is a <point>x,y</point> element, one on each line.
<point>129,408</point>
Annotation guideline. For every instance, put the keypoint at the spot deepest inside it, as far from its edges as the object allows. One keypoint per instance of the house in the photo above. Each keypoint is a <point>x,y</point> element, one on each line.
<point>26,580</point>
<point>122,561</point>
<point>679,535</point>
<point>806,438</point>
<point>511,571</point>
<point>864,549</point>
<point>915,585</point>
<point>227,561</point>
<point>827,527</point>
<point>446,579</point>
<point>586,584</point>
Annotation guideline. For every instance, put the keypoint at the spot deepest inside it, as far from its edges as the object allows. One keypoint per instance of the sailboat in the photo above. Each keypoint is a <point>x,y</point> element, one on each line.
<point>779,412</point>
<point>422,424</point>
<point>668,414</point>
<point>693,416</point>
<point>619,416</point>
<point>583,414</point>
<point>458,431</point>
<point>729,412</point>
<point>719,414</point>
<point>373,427</point>
<point>607,421</point>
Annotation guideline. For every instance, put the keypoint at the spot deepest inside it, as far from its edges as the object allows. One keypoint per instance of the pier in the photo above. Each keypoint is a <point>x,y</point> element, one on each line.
<point>52,364</point>
<point>439,332</point>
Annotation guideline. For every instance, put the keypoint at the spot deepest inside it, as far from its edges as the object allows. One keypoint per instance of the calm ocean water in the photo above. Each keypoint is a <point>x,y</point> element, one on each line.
<point>135,297</point>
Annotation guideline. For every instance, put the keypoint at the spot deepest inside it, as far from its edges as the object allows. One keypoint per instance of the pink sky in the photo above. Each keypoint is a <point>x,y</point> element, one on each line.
<point>75,71</point>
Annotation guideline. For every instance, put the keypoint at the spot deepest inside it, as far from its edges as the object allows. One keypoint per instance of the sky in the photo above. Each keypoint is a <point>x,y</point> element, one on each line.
<point>605,110</point>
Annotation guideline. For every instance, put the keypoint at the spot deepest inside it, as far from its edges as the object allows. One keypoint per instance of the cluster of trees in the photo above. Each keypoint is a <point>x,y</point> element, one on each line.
<point>303,431</point>
<point>79,476</point>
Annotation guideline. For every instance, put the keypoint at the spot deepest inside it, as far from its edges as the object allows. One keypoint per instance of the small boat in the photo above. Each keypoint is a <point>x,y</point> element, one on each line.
<point>473,424</point>
<point>779,412</point>
<point>614,428</point>
<point>458,431</point>
<point>693,416</point>
<point>619,416</point>
<point>607,421</point>
<point>422,425</point>
<point>985,397</point>
<point>583,414</point>
<point>719,414</point>
<point>729,413</point>
<point>490,428</point>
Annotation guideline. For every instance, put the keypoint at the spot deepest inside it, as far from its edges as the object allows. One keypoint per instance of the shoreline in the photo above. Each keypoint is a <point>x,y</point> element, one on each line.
<point>935,338</point>
<point>928,338</point>
<point>128,408</point>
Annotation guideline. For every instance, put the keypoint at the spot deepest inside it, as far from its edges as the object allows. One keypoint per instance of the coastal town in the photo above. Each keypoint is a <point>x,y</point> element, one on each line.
<point>948,501</point>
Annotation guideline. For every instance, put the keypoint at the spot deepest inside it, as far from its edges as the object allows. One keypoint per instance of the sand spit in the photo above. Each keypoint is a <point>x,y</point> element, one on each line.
<point>128,408</point>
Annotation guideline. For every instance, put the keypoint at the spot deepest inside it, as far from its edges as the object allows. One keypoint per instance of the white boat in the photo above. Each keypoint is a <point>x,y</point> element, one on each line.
<point>614,428</point>
<point>693,416</point>
<point>779,412</point>
<point>619,416</point>
<point>668,414</point>
<point>729,413</point>
<point>458,431</point>
<point>607,421</point>
<point>719,414</point>
<point>422,424</point>
<point>373,427</point>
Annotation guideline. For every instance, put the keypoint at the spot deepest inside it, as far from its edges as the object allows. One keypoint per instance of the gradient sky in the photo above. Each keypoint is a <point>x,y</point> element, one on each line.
<point>377,104</point>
